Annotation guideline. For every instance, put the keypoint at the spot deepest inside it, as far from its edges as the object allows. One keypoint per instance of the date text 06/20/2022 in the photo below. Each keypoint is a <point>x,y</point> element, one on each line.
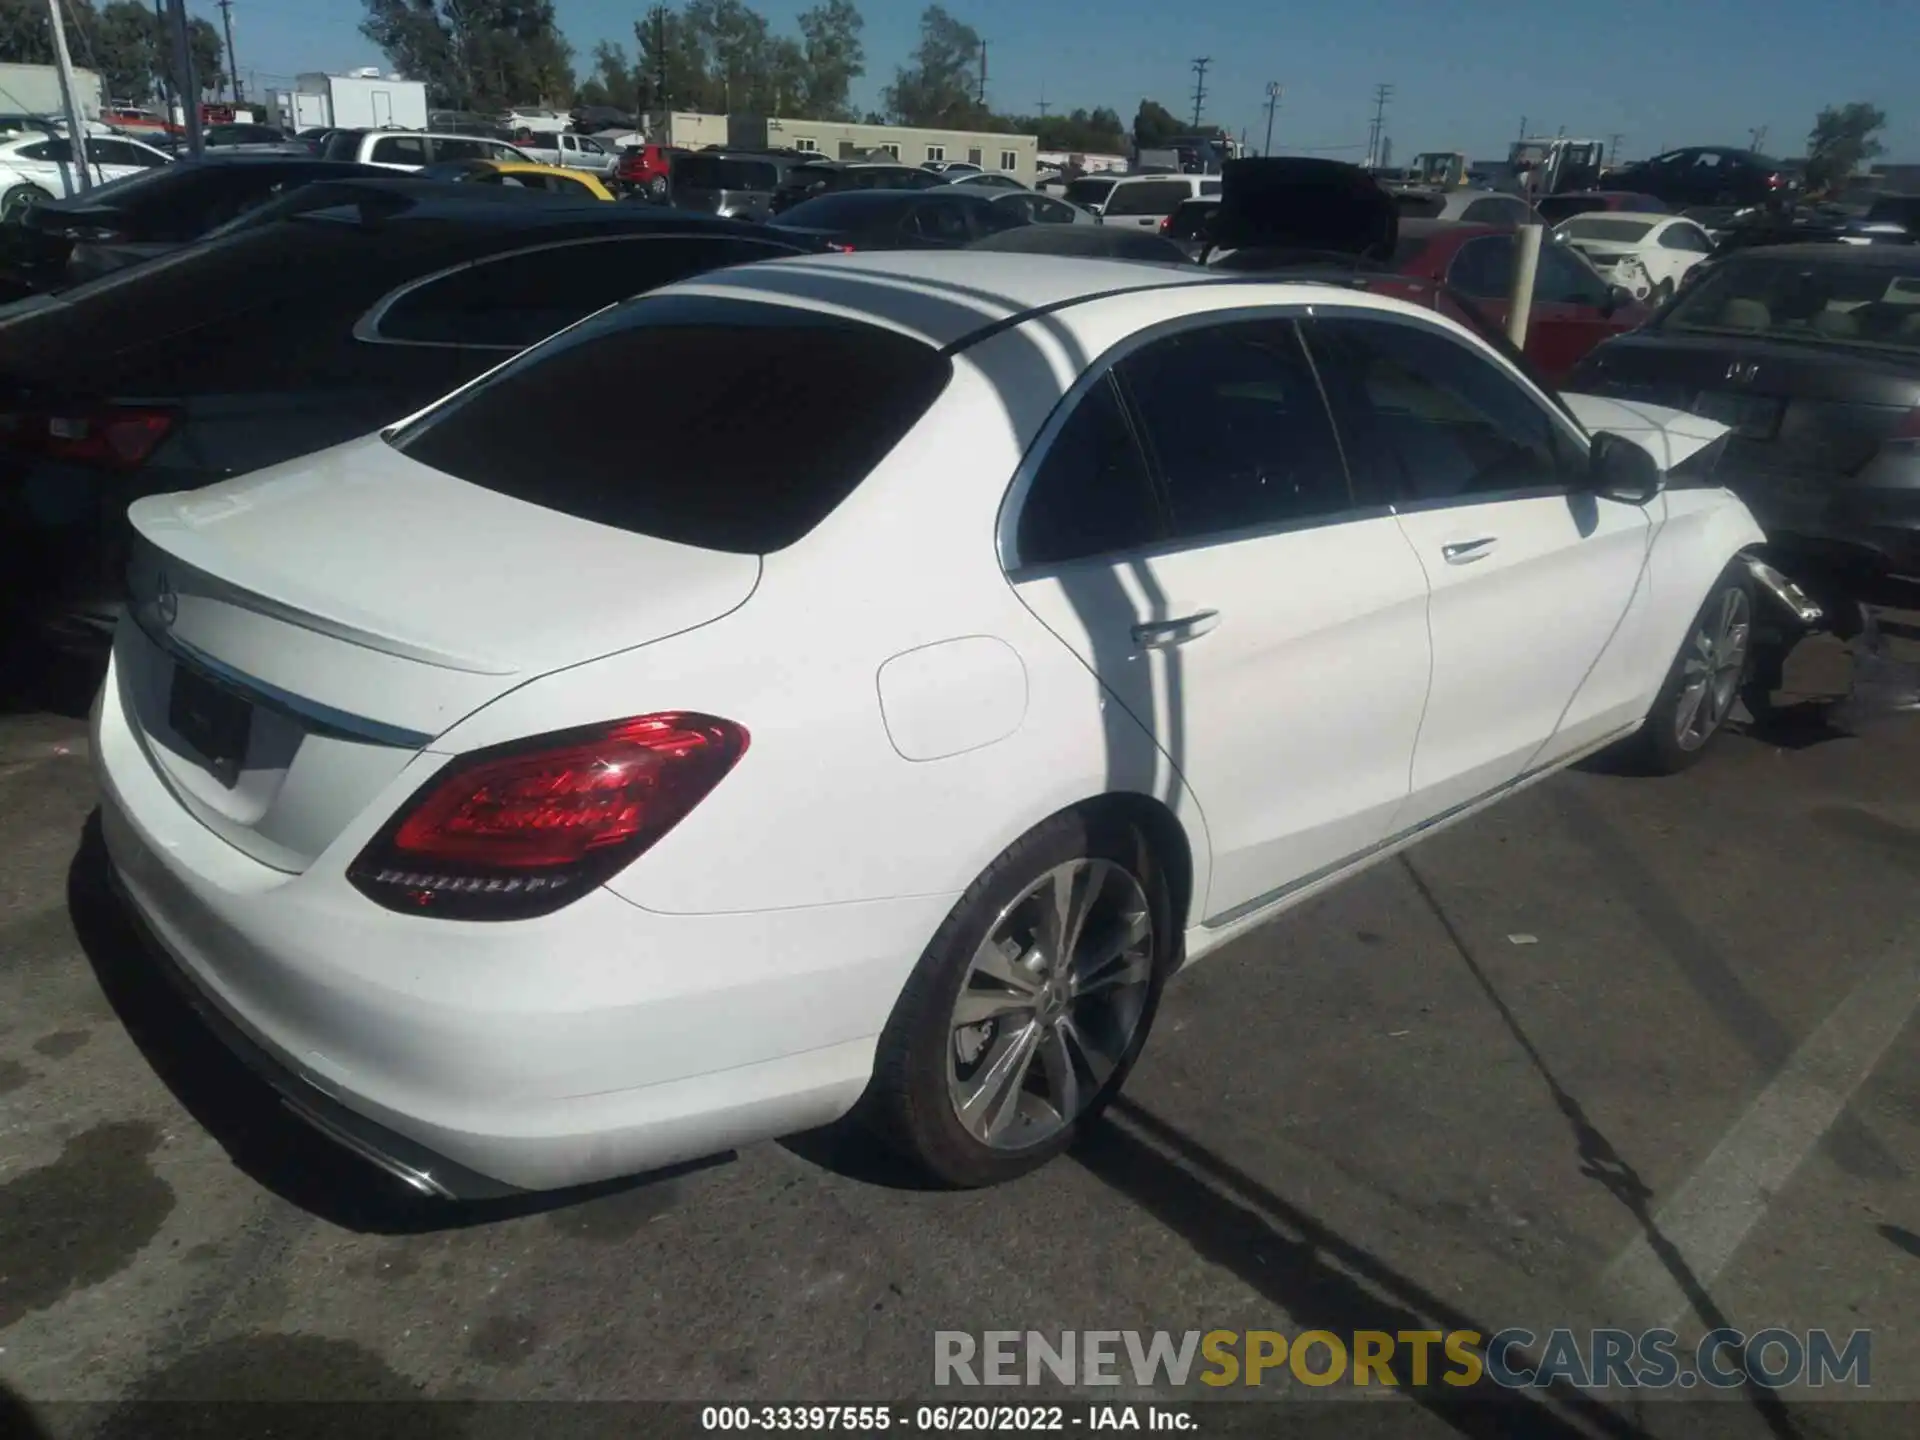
<point>1600,1359</point>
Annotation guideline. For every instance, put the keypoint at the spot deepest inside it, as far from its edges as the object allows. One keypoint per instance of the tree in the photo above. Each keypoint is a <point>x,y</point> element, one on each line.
<point>673,61</point>
<point>1154,125</point>
<point>614,81</point>
<point>942,86</point>
<point>475,54</point>
<point>834,58</point>
<point>1841,141</point>
<point>1100,131</point>
<point>126,47</point>
<point>26,35</point>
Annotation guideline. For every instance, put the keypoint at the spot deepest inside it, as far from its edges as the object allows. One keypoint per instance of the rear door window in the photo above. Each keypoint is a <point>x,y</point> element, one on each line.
<point>828,397</point>
<point>1149,197</point>
<point>399,150</point>
<point>517,300</point>
<point>456,148</point>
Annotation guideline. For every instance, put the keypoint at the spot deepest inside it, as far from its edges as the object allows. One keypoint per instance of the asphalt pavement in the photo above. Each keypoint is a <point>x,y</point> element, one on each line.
<point>1621,1052</point>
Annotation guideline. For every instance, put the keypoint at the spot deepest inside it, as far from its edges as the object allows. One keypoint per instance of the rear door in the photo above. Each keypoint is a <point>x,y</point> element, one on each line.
<point>1143,204</point>
<point>1190,533</point>
<point>1538,590</point>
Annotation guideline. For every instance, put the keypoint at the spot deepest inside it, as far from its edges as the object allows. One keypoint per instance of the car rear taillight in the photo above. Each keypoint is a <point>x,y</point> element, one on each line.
<point>836,245</point>
<point>520,830</point>
<point>1166,224</point>
<point>118,437</point>
<point>1776,180</point>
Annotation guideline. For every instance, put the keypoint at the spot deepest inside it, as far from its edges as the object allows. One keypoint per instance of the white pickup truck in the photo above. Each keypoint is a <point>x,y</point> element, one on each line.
<point>573,152</point>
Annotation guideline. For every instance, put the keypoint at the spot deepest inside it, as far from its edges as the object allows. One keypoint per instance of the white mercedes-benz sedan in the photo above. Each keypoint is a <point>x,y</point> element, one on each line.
<point>971,641</point>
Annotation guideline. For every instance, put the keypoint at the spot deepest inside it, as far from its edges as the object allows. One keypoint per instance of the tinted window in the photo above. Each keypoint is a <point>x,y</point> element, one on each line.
<point>1235,420</point>
<point>1685,237</point>
<point>399,150</point>
<point>1190,220</point>
<point>829,398</point>
<point>700,172</point>
<point>1601,227</point>
<point>1425,419</point>
<point>1567,279</point>
<point>58,151</point>
<point>1791,299</point>
<point>1149,197</point>
<point>455,149</point>
<point>1089,191</point>
<point>848,210</point>
<point>1495,211</point>
<point>940,220</point>
<point>502,152</point>
<point>343,145</point>
<point>1092,494</point>
<point>1555,208</point>
<point>517,300</point>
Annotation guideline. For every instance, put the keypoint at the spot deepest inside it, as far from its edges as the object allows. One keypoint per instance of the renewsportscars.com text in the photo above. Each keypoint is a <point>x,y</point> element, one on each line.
<point>1512,1359</point>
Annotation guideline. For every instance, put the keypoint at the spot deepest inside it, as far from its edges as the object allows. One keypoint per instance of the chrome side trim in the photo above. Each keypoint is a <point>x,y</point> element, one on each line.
<point>1382,849</point>
<point>315,717</point>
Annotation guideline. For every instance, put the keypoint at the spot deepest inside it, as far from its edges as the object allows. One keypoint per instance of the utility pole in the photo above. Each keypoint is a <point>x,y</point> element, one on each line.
<point>70,99</point>
<point>1381,95</point>
<point>233,65</point>
<point>1274,92</point>
<point>1613,149</point>
<point>1043,104</point>
<point>981,98</point>
<point>1758,137</point>
<point>184,82</point>
<point>1523,127</point>
<point>1200,87</point>
<point>660,97</point>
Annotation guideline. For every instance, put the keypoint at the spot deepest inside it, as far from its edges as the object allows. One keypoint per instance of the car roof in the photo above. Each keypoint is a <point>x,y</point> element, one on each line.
<point>418,200</point>
<point>1430,227</point>
<point>1652,217</point>
<point>1884,257</point>
<point>949,297</point>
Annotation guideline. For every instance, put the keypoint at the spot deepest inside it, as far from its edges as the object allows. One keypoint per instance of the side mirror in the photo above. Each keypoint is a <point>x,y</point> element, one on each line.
<point>1618,469</point>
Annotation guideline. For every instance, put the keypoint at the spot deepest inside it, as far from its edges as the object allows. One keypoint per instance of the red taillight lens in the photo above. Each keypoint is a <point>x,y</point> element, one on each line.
<point>1166,224</point>
<point>843,249</point>
<point>520,830</point>
<point>115,438</point>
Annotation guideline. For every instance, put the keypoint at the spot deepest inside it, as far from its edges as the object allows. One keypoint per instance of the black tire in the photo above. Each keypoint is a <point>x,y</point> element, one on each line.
<point>1662,746</point>
<point>1662,293</point>
<point>908,1105</point>
<point>18,200</point>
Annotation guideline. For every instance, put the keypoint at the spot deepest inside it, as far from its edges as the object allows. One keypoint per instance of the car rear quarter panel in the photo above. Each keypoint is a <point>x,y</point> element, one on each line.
<point>824,808</point>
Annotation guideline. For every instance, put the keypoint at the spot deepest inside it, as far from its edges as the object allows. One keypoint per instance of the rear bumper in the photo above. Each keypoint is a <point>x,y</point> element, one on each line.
<point>473,1059</point>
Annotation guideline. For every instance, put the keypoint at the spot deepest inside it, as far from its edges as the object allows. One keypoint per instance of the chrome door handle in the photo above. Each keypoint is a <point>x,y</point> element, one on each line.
<point>1465,552</point>
<point>1174,632</point>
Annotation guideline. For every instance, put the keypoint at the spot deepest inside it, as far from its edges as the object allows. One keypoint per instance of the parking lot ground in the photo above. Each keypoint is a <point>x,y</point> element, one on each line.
<point>1620,1052</point>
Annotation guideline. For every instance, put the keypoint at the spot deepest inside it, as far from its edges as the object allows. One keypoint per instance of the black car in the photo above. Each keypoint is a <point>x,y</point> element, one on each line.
<point>1187,225</point>
<point>1100,242</point>
<point>1812,354</point>
<point>158,210</point>
<point>221,136</point>
<point>280,338</point>
<point>943,218</point>
<point>1709,176</point>
<point>823,177</point>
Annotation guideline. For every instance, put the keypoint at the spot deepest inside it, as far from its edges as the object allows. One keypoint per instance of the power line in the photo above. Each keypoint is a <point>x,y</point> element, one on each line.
<point>1200,87</point>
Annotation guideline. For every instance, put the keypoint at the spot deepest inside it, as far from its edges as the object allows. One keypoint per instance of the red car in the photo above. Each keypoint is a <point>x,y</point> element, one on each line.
<point>1574,308</point>
<point>1555,208</point>
<point>647,168</point>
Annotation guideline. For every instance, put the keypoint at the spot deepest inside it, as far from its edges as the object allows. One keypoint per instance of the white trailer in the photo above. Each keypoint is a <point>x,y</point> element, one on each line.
<point>359,102</point>
<point>35,90</point>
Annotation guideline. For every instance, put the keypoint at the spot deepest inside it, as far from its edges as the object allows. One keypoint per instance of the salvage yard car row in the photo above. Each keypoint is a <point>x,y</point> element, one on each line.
<point>482,637</point>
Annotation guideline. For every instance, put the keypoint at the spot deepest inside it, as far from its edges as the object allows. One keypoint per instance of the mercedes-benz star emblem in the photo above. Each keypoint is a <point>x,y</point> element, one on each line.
<point>166,602</point>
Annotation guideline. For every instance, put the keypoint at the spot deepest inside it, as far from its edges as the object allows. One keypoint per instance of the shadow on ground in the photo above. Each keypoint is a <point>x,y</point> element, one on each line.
<point>245,1114</point>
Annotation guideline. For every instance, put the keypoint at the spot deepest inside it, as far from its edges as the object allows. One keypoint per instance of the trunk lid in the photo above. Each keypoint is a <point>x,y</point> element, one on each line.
<point>352,605</point>
<point>1805,417</point>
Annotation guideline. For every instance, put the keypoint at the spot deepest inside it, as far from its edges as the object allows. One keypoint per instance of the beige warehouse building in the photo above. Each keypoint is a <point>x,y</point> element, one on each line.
<point>1011,155</point>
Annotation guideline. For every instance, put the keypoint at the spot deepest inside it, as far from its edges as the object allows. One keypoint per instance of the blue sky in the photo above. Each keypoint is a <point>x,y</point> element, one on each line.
<point>1661,73</point>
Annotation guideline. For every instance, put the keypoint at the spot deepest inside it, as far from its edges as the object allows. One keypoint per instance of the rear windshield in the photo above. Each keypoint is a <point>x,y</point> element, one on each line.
<point>700,172</point>
<point>1815,301</point>
<point>847,210</point>
<point>1089,191</point>
<point>1555,208</point>
<point>827,399</point>
<point>1595,227</point>
<point>1189,221</point>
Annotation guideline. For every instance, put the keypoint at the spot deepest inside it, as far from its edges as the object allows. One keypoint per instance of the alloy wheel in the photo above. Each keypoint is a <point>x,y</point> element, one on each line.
<point>1713,663</point>
<point>1050,1004</point>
